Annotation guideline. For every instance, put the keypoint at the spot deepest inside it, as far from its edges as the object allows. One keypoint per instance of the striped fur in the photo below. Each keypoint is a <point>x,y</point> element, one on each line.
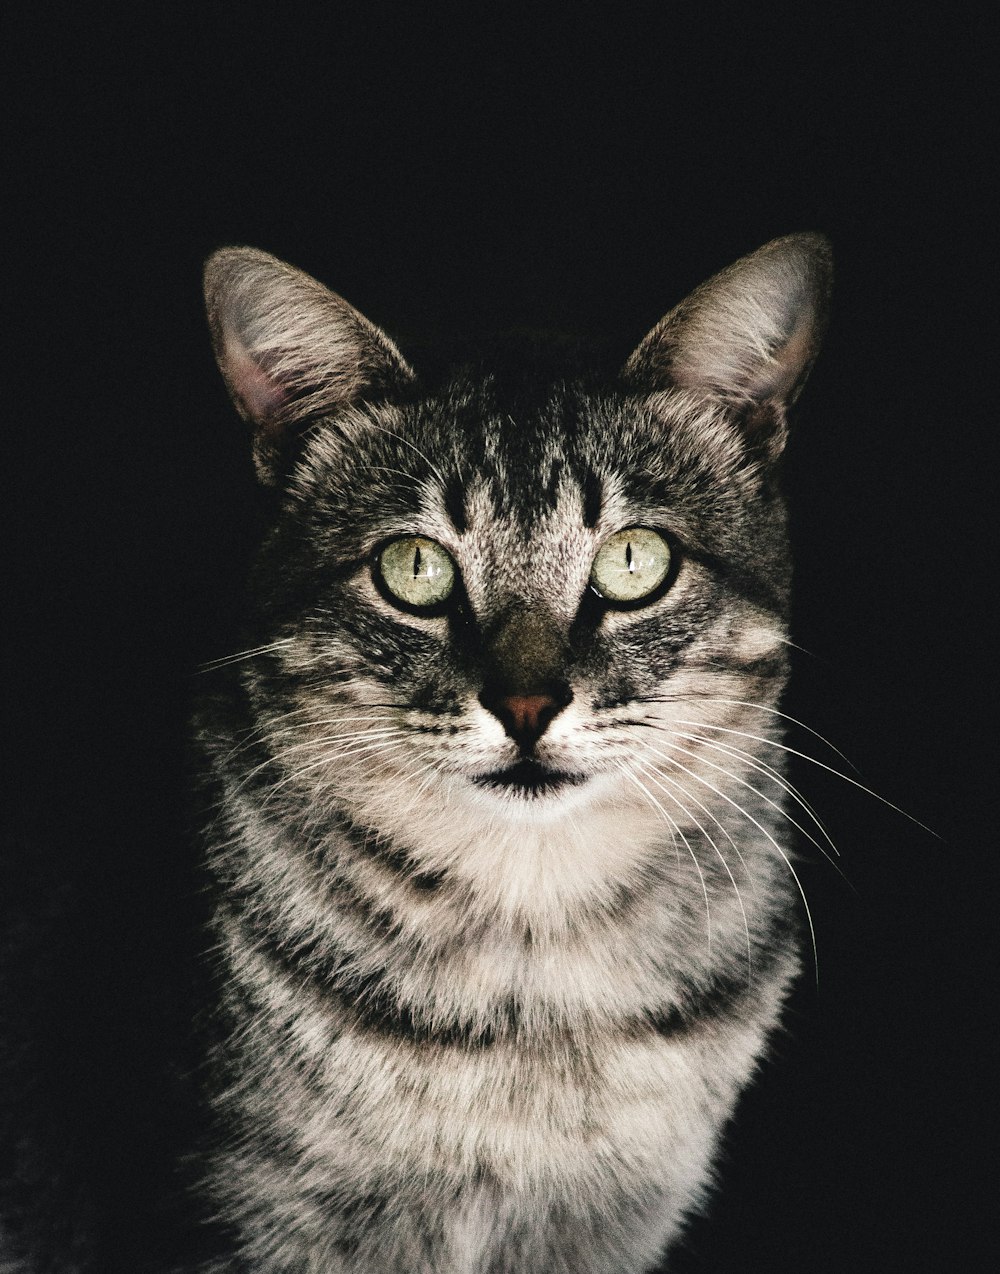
<point>464,1025</point>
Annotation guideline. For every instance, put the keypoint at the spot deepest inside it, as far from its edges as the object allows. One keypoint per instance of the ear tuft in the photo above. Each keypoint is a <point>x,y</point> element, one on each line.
<point>748,337</point>
<point>290,350</point>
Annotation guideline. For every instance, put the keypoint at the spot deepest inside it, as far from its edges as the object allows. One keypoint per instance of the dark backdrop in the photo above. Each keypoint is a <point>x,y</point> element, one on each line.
<point>576,174</point>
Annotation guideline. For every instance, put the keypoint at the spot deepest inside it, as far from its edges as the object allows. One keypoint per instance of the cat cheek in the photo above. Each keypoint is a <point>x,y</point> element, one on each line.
<point>757,642</point>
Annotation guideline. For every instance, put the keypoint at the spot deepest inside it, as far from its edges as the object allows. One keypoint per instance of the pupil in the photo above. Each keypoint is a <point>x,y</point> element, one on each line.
<point>416,562</point>
<point>628,555</point>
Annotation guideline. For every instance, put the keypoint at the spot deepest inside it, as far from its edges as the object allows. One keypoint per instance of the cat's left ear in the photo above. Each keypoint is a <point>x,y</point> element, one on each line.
<point>290,350</point>
<point>747,338</point>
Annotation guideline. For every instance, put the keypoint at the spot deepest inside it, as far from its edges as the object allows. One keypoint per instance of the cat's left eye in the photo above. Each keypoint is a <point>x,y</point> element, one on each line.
<point>417,572</point>
<point>631,565</point>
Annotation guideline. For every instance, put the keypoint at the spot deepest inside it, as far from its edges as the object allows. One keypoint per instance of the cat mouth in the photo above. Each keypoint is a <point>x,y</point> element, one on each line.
<point>528,779</point>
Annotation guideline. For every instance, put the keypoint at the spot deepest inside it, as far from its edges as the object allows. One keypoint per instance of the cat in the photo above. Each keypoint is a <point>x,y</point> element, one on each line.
<point>505,911</point>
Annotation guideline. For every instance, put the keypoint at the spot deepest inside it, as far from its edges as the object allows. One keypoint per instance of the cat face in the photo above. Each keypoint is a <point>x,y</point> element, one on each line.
<point>514,599</point>
<point>472,586</point>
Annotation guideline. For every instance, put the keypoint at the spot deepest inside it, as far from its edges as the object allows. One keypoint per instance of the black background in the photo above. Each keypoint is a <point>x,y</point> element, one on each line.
<point>569,172</point>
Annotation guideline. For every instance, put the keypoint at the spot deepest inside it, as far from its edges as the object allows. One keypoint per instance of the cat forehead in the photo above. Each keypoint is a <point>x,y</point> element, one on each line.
<point>506,557</point>
<point>563,458</point>
<point>532,513</point>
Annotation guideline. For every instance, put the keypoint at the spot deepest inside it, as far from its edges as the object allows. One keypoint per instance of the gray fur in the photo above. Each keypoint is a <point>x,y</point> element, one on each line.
<point>464,1027</point>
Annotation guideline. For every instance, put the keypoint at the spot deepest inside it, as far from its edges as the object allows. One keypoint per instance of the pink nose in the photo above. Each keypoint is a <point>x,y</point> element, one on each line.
<point>529,713</point>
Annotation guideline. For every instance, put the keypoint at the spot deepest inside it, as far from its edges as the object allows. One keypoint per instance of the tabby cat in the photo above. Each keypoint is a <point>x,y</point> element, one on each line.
<point>505,912</point>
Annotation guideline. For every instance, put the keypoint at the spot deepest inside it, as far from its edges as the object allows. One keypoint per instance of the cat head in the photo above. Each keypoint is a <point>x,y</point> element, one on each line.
<point>497,593</point>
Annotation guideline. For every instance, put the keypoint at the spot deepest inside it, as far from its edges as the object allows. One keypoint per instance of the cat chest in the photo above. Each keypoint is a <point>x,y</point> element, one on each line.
<point>554,1122</point>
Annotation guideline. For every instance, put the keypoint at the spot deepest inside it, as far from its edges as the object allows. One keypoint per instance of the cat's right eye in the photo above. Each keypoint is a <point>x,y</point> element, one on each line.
<point>417,572</point>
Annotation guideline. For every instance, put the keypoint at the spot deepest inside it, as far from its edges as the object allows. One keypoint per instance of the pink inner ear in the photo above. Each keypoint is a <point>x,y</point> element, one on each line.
<point>259,395</point>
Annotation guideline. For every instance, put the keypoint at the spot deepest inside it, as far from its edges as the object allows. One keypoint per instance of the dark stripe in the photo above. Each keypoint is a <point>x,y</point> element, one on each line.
<point>751,588</point>
<point>728,992</point>
<point>771,666</point>
<point>356,1216</point>
<point>378,1009</point>
<point>378,848</point>
<point>369,1001</point>
<point>454,503</point>
<point>371,1004</point>
<point>593,495</point>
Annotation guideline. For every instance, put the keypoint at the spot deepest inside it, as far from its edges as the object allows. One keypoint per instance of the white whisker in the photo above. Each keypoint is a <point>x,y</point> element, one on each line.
<point>362,750</point>
<point>240,655</point>
<point>413,447</point>
<point>769,772</point>
<point>761,707</point>
<point>760,827</point>
<point>702,725</point>
<point>649,771</point>
<point>674,828</point>
<point>776,805</point>
<point>693,738</point>
<point>375,738</point>
<point>721,826</point>
<point>308,722</point>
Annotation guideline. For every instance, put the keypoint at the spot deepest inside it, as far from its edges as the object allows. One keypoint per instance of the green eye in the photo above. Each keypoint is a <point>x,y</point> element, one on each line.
<point>630,565</point>
<point>417,571</point>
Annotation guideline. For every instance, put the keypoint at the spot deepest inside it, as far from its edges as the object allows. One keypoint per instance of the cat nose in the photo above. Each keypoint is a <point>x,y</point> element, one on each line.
<point>526,717</point>
<point>529,713</point>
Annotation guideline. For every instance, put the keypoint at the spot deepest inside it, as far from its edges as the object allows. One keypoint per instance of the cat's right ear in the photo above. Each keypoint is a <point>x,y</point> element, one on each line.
<point>290,350</point>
